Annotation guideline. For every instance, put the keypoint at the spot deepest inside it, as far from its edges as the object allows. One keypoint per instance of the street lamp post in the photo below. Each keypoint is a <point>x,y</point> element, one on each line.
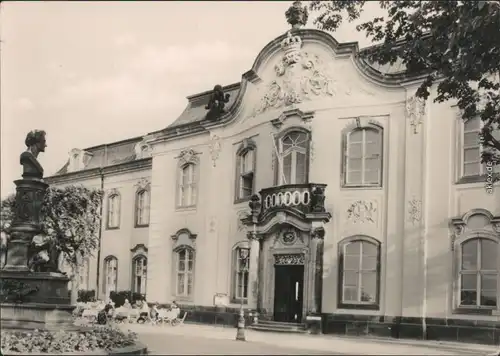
<point>240,332</point>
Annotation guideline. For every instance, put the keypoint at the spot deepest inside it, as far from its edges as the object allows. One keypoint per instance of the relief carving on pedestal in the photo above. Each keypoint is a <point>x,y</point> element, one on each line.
<point>362,212</point>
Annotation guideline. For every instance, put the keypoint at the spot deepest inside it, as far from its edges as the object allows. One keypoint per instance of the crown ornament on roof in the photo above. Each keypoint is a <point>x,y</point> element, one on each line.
<point>291,46</point>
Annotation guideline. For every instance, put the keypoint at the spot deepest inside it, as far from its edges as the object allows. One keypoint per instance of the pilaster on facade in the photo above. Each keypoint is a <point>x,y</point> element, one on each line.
<point>414,273</point>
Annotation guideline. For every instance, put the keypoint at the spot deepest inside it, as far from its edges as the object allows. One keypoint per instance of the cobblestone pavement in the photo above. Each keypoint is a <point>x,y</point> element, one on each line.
<point>209,340</point>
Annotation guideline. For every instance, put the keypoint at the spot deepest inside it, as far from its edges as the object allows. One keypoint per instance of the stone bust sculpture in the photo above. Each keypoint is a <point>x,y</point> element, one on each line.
<point>35,143</point>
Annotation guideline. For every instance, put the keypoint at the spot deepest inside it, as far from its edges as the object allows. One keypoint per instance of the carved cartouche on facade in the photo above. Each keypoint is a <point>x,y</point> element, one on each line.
<point>188,156</point>
<point>299,75</point>
<point>362,211</point>
<point>297,15</point>
<point>216,103</point>
<point>35,142</point>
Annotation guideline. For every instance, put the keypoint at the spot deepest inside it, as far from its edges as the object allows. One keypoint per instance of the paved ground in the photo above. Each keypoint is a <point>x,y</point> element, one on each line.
<point>190,339</point>
<point>194,345</point>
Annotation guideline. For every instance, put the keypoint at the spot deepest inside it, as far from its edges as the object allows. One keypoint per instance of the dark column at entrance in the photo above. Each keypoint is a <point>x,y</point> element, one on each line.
<point>317,236</point>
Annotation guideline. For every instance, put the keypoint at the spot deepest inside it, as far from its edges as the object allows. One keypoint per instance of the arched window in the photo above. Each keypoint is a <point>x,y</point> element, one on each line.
<point>479,273</point>
<point>359,272</point>
<point>362,161</point>
<point>187,185</point>
<point>142,208</point>
<point>245,170</point>
<point>139,274</point>
<point>114,211</point>
<point>240,255</point>
<point>293,155</point>
<point>110,275</point>
<point>184,258</point>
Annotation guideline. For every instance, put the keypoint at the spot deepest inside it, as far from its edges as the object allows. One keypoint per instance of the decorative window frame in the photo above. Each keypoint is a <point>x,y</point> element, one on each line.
<point>143,186</point>
<point>136,257</point>
<point>113,193</point>
<point>233,284</point>
<point>277,145</point>
<point>106,260</point>
<point>185,158</point>
<point>461,233</point>
<point>361,124</point>
<point>459,149</point>
<point>183,239</point>
<point>340,287</point>
<point>247,145</point>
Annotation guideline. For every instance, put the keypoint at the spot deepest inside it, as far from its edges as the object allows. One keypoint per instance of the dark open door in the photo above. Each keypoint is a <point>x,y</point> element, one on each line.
<point>288,291</point>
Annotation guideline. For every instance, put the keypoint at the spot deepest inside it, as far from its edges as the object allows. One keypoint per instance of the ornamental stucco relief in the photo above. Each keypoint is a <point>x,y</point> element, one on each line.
<point>362,212</point>
<point>299,76</point>
<point>415,211</point>
<point>415,111</point>
<point>215,148</point>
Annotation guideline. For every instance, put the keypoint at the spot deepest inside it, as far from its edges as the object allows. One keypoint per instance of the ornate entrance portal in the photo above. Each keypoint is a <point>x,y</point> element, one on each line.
<point>286,254</point>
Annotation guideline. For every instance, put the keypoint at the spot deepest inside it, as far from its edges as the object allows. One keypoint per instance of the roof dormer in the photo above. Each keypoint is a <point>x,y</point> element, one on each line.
<point>78,159</point>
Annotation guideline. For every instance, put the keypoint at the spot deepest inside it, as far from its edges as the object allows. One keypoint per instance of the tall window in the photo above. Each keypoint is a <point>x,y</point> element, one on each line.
<point>359,273</point>
<point>478,274</point>
<point>240,274</point>
<point>139,274</point>
<point>83,275</point>
<point>142,208</point>
<point>110,275</point>
<point>471,150</point>
<point>187,185</point>
<point>113,211</point>
<point>363,157</point>
<point>185,271</point>
<point>245,173</point>
<point>293,158</point>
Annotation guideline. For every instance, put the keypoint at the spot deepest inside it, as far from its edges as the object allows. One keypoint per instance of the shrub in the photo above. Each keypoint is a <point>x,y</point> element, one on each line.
<point>54,342</point>
<point>119,297</point>
<point>86,296</point>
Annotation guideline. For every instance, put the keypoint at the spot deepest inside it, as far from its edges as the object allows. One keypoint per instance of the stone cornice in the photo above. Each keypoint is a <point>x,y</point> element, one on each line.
<point>126,167</point>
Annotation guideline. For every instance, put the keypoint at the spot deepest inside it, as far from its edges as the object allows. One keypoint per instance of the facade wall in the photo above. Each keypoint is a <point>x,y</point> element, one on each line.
<point>408,216</point>
<point>117,242</point>
<point>418,168</point>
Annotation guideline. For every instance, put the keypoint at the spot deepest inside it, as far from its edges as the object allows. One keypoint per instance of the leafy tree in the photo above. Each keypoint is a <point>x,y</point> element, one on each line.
<point>454,44</point>
<point>71,219</point>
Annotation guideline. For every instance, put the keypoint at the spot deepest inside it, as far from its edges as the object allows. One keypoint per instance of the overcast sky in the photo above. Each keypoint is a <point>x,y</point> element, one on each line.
<point>96,72</point>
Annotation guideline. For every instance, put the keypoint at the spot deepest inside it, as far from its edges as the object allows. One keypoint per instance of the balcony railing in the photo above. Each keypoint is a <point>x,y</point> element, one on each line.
<point>303,198</point>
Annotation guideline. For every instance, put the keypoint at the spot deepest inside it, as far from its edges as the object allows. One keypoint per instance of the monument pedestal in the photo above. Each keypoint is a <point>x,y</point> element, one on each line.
<point>37,300</point>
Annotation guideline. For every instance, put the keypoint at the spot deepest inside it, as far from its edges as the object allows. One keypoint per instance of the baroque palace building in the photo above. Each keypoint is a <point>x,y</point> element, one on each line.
<point>324,188</point>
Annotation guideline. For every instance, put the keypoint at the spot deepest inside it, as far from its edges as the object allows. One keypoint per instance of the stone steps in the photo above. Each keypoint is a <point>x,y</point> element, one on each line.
<point>277,326</point>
